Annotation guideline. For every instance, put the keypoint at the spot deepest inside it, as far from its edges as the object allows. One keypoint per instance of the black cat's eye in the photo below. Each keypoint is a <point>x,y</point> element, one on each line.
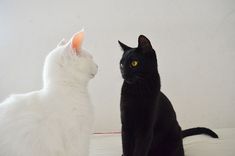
<point>134,63</point>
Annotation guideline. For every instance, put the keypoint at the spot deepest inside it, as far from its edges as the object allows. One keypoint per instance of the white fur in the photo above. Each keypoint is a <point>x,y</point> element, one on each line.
<point>56,120</point>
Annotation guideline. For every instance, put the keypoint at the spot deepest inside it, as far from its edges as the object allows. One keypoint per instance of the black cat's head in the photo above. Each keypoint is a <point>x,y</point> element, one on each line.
<point>140,63</point>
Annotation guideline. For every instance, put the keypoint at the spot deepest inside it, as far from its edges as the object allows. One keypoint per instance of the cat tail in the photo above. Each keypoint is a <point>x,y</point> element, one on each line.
<point>197,131</point>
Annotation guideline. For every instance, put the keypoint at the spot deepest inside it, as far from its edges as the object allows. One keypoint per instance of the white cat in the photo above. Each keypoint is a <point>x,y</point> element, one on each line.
<point>56,120</point>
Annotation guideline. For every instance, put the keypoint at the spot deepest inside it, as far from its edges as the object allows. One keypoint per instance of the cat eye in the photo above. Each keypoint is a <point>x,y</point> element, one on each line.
<point>134,63</point>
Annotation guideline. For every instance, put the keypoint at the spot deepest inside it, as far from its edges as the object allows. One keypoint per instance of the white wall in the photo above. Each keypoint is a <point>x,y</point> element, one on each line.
<point>194,40</point>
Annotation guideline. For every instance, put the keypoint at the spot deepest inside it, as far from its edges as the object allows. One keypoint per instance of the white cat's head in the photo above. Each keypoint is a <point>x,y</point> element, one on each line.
<point>69,63</point>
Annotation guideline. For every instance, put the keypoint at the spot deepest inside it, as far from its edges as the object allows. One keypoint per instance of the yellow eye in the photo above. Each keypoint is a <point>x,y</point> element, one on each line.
<point>134,63</point>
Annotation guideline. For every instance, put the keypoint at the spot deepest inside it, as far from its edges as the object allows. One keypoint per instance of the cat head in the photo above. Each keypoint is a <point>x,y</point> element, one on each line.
<point>140,63</point>
<point>69,63</point>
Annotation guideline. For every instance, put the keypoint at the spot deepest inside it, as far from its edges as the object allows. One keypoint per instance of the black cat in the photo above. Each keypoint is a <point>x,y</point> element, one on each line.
<point>149,125</point>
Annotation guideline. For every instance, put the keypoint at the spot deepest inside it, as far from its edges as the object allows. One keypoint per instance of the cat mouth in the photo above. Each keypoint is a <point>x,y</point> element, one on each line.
<point>126,79</point>
<point>129,81</point>
<point>132,80</point>
<point>92,75</point>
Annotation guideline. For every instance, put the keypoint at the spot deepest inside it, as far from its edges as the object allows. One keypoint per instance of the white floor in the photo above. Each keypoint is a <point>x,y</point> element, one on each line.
<point>110,145</point>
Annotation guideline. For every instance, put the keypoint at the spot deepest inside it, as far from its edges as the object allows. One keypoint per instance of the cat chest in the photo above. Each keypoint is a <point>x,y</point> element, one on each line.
<point>138,101</point>
<point>69,112</point>
<point>137,110</point>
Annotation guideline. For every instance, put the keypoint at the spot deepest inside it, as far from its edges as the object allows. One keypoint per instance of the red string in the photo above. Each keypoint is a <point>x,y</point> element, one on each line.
<point>107,133</point>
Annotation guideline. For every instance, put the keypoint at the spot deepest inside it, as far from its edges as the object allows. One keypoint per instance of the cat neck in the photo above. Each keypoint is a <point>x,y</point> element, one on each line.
<point>62,87</point>
<point>147,87</point>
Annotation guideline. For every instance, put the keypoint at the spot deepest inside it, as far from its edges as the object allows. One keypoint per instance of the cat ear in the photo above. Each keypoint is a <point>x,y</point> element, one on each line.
<point>61,43</point>
<point>76,41</point>
<point>144,43</point>
<point>123,46</point>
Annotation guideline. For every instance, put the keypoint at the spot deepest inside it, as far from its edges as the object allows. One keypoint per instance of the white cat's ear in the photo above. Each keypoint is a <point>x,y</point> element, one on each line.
<point>76,41</point>
<point>61,43</point>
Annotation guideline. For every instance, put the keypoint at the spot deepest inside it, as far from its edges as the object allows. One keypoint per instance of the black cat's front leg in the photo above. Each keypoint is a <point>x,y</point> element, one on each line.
<point>143,141</point>
<point>127,142</point>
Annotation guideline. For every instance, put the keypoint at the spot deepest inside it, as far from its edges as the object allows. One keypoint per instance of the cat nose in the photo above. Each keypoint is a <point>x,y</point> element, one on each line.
<point>121,65</point>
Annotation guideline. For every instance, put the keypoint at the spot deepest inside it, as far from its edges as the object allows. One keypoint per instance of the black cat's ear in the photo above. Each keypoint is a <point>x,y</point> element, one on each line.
<point>123,46</point>
<point>144,43</point>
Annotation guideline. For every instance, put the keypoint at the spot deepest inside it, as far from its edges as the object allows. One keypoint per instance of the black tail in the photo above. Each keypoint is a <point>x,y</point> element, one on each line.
<point>197,131</point>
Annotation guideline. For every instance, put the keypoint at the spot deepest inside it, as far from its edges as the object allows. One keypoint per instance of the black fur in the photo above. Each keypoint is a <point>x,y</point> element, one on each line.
<point>149,125</point>
<point>198,130</point>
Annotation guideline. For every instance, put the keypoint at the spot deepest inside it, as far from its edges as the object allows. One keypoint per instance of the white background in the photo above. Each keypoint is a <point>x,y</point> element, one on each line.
<point>194,41</point>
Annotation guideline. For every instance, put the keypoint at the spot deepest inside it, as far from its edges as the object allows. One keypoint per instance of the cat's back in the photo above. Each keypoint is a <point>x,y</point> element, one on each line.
<point>165,106</point>
<point>18,110</point>
<point>21,102</point>
<point>37,123</point>
<point>19,114</point>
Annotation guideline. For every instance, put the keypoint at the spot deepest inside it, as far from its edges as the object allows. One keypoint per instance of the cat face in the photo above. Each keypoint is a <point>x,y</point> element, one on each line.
<point>138,64</point>
<point>70,63</point>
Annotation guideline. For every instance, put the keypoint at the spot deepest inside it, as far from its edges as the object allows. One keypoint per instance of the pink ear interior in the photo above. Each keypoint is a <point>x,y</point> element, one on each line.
<point>77,41</point>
